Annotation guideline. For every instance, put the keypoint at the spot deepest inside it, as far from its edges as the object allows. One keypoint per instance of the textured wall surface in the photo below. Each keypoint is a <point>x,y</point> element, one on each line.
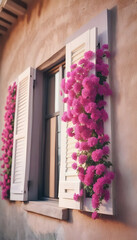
<point>33,40</point>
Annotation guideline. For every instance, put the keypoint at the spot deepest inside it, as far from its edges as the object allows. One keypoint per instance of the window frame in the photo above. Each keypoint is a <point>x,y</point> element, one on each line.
<point>57,67</point>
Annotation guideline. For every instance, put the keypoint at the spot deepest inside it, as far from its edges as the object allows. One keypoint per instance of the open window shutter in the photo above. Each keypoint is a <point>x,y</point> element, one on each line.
<point>69,182</point>
<point>22,136</point>
<point>105,207</point>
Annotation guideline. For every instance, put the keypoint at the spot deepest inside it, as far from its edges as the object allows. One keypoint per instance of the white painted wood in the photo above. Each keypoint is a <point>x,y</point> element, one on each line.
<point>22,136</point>
<point>69,182</point>
<point>105,207</point>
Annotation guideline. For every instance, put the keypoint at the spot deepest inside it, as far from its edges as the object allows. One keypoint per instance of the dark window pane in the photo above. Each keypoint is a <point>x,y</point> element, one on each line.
<point>50,152</point>
<point>51,95</point>
<point>57,86</point>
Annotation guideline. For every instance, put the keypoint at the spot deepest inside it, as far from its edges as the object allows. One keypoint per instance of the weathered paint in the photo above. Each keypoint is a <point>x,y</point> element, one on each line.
<point>33,40</point>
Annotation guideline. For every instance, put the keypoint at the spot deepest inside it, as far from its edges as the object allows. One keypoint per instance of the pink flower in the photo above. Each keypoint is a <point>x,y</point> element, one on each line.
<point>100,168</point>
<point>83,118</point>
<point>77,87</point>
<point>77,106</point>
<point>88,180</point>
<point>88,55</point>
<point>90,66</point>
<point>97,155</point>
<point>106,150</point>
<point>98,188</point>
<point>106,195</point>
<point>68,74</point>
<point>86,133</point>
<point>82,159</point>
<point>83,62</point>
<point>104,139</point>
<point>69,83</point>
<point>79,70</point>
<point>105,46</point>
<point>96,115</point>
<point>90,107</point>
<point>85,93</point>
<point>75,120</point>
<point>76,197</point>
<point>63,84</point>
<point>91,124</point>
<point>107,53</point>
<point>74,166</point>
<point>71,94</point>
<point>99,128</point>
<point>95,80</point>
<point>6,176</point>
<point>87,83</point>
<point>110,175</point>
<point>73,66</point>
<point>81,176</point>
<point>84,146</point>
<point>95,201</point>
<point>94,215</point>
<point>81,192</point>
<point>98,68</point>
<point>92,141</point>
<point>69,113</point>
<point>77,145</point>
<point>90,170</point>
<point>101,103</point>
<point>81,170</point>
<point>65,99</point>
<point>99,53</point>
<point>74,156</point>
<point>7,166</point>
<point>105,89</point>
<point>70,132</point>
<point>10,135</point>
<point>65,117</point>
<point>104,115</point>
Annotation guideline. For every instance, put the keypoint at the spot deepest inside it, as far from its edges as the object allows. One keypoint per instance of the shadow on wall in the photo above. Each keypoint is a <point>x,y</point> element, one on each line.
<point>123,210</point>
<point>15,225</point>
<point>50,236</point>
<point>39,5</point>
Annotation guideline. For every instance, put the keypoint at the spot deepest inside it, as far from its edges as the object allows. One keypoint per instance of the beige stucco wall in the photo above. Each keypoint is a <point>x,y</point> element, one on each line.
<point>33,40</point>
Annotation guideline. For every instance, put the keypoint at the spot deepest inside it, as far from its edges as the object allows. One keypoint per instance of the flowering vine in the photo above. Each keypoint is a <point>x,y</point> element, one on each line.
<point>7,139</point>
<point>85,93</point>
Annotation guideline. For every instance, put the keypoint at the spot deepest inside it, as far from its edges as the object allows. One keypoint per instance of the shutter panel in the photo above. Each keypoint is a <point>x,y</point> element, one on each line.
<point>22,136</point>
<point>69,182</point>
<point>105,207</point>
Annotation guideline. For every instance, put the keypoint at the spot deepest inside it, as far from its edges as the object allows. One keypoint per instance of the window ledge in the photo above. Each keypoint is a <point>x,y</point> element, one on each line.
<point>47,208</point>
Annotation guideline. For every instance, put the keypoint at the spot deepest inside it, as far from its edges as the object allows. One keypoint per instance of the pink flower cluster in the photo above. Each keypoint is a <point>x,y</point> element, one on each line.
<point>85,93</point>
<point>7,139</point>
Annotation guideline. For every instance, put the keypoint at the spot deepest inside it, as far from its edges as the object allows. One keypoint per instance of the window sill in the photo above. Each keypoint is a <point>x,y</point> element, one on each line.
<point>47,208</point>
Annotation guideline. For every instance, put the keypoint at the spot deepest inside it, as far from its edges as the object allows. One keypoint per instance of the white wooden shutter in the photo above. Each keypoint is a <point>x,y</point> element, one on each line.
<point>69,182</point>
<point>105,207</point>
<point>22,136</point>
